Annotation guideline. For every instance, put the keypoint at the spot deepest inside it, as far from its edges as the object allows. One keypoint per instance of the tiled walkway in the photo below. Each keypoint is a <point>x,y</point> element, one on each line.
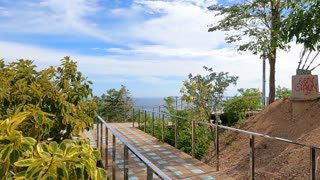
<point>171,161</point>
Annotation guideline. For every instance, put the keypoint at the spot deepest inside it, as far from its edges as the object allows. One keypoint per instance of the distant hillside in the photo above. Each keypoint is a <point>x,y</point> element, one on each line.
<point>293,120</point>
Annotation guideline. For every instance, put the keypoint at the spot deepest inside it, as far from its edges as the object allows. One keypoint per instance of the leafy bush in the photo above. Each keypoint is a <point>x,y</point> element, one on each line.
<point>41,111</point>
<point>236,108</point>
<point>282,92</point>
<point>115,105</point>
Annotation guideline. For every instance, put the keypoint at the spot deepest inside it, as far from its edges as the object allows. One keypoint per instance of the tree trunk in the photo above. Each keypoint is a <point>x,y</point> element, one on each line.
<point>272,87</point>
<point>272,55</point>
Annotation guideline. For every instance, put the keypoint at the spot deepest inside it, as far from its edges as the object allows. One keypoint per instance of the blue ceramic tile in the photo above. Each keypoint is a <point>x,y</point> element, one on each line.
<point>156,146</point>
<point>141,164</point>
<point>186,179</point>
<point>119,161</point>
<point>162,162</point>
<point>208,178</point>
<point>166,152</point>
<point>180,161</point>
<point>173,156</point>
<point>155,157</point>
<point>151,154</point>
<point>133,178</point>
<point>169,167</point>
<point>188,165</point>
<point>162,149</point>
<point>177,173</point>
<point>197,171</point>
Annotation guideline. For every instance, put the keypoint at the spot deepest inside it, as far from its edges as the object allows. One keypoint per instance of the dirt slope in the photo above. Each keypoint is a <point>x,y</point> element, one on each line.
<point>298,121</point>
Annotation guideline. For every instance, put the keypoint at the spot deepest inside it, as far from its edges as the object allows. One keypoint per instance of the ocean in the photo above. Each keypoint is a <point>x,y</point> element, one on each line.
<point>155,103</point>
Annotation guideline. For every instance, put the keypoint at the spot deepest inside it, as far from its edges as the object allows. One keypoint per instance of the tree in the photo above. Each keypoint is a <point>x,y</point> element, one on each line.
<point>59,97</point>
<point>206,92</point>
<point>302,24</point>
<point>282,93</point>
<point>236,108</point>
<point>40,111</point>
<point>116,105</point>
<point>257,25</point>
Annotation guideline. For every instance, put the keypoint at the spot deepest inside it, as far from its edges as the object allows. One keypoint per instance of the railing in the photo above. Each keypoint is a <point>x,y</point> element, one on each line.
<point>151,168</point>
<point>252,135</point>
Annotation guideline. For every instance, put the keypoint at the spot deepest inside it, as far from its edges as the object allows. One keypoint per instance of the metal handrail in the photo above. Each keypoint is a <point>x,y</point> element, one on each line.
<point>252,134</point>
<point>151,168</point>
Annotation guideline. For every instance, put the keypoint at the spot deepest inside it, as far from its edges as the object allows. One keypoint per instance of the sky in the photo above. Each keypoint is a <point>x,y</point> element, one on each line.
<point>150,46</point>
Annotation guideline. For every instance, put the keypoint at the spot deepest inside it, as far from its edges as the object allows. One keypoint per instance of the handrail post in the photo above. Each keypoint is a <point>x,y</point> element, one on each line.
<point>162,129</point>
<point>133,117</point>
<point>193,138</point>
<point>312,164</point>
<point>217,145</point>
<point>176,133</point>
<point>97,134</point>
<point>145,121</point>
<point>101,137</point>
<point>113,157</point>
<point>152,123</point>
<point>149,173</point>
<point>125,163</point>
<point>252,157</point>
<point>106,150</point>
<point>139,119</point>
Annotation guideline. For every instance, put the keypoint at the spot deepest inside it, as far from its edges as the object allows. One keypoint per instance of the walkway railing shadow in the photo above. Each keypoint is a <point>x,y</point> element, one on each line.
<point>101,134</point>
<point>142,124</point>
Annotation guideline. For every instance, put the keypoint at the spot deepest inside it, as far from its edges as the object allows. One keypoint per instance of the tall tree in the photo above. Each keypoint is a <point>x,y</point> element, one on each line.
<point>256,24</point>
<point>206,92</point>
<point>303,23</point>
<point>115,105</point>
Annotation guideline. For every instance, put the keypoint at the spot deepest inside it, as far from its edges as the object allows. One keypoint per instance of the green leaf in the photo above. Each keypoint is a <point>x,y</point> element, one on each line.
<point>49,177</point>
<point>28,140</point>
<point>4,166</point>
<point>53,146</point>
<point>101,174</point>
<point>24,162</point>
<point>96,154</point>
<point>14,156</point>
<point>34,168</point>
<point>20,175</point>
<point>5,153</point>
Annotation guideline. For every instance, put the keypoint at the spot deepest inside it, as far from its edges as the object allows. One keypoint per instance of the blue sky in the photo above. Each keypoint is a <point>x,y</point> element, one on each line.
<point>150,46</point>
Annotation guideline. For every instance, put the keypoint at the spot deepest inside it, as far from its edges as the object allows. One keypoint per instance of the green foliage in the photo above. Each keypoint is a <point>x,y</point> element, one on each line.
<point>202,132</point>
<point>236,108</point>
<point>282,92</point>
<point>26,158</point>
<point>61,92</point>
<point>169,105</point>
<point>257,25</point>
<point>41,110</point>
<point>115,106</point>
<point>206,92</point>
<point>302,24</point>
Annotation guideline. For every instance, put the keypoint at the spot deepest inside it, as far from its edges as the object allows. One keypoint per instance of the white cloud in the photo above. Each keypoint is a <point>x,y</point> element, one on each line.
<point>156,70</point>
<point>53,17</point>
<point>175,31</point>
<point>181,24</point>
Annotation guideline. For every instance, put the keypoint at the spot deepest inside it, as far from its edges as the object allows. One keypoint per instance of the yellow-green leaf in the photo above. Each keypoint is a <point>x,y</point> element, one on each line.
<point>53,146</point>
<point>24,162</point>
<point>14,156</point>
<point>5,153</point>
<point>28,140</point>
<point>101,174</point>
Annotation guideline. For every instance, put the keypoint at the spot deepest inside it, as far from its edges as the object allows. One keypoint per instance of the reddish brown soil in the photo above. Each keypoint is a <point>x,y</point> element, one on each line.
<point>293,120</point>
